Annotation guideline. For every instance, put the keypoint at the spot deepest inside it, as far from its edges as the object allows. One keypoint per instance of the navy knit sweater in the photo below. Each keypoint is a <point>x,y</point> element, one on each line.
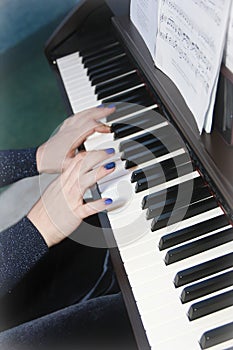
<point>21,246</point>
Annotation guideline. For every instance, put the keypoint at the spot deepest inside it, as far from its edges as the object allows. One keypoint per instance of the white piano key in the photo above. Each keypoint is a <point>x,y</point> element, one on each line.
<point>81,107</point>
<point>91,144</point>
<point>145,252</point>
<point>157,268</point>
<point>141,109</point>
<point>124,91</point>
<point>180,333</point>
<point>153,237</point>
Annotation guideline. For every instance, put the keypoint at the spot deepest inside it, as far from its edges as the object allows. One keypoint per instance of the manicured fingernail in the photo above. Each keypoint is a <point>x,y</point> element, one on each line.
<point>110,150</point>
<point>112,105</point>
<point>100,106</point>
<point>110,165</point>
<point>108,201</point>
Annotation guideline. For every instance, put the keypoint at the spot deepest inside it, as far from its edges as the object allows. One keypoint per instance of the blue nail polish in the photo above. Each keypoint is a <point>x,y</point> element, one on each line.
<point>110,150</point>
<point>110,165</point>
<point>108,201</point>
<point>100,106</point>
<point>112,105</point>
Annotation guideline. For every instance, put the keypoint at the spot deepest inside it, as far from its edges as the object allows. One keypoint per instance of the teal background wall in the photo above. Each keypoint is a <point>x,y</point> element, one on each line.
<point>30,103</point>
<point>21,18</point>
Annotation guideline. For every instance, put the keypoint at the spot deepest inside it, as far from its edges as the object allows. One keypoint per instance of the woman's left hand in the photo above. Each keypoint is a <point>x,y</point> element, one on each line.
<point>55,154</point>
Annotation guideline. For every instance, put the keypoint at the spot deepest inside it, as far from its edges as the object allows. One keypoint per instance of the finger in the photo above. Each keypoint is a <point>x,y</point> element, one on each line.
<point>105,111</point>
<point>100,112</point>
<point>78,169</point>
<point>93,158</point>
<point>94,207</point>
<point>92,177</point>
<point>102,128</point>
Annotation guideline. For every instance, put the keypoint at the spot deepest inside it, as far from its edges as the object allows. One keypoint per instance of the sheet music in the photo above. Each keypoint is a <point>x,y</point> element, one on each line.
<point>144,15</point>
<point>229,43</point>
<point>189,47</point>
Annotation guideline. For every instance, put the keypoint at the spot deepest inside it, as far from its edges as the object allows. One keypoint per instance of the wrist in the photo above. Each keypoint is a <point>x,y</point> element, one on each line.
<point>40,219</point>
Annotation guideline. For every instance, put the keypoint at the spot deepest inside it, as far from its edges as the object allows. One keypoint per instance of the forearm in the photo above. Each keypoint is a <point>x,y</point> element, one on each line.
<point>21,247</point>
<point>17,164</point>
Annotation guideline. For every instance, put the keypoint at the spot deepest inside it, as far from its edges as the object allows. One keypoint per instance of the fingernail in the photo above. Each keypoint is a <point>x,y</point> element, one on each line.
<point>110,165</point>
<point>110,150</point>
<point>100,106</point>
<point>112,105</point>
<point>108,201</point>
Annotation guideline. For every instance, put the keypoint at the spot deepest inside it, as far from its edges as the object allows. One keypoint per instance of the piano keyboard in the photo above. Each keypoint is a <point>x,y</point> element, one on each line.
<point>180,271</point>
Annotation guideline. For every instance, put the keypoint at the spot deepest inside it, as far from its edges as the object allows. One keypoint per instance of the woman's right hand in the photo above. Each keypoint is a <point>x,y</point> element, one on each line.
<point>60,210</point>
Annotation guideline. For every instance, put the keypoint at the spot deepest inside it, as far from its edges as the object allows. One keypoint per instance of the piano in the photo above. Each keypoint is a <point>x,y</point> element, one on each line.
<point>170,233</point>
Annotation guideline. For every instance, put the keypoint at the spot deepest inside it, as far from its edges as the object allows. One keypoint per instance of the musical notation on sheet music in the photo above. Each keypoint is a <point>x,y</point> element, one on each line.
<point>189,48</point>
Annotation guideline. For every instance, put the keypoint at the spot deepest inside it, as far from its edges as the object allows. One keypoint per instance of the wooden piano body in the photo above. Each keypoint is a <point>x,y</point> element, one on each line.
<point>212,155</point>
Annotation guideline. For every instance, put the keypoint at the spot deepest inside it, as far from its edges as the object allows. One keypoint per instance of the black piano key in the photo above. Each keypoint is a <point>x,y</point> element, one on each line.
<point>105,64</point>
<point>138,94</point>
<point>166,165</point>
<point>161,174</point>
<point>187,233</point>
<point>203,270</point>
<point>136,140</point>
<point>217,336</point>
<point>142,157</point>
<point>112,73</point>
<point>198,246</point>
<point>96,51</point>
<point>149,142</point>
<point>138,148</point>
<point>153,211</point>
<point>117,85</point>
<point>168,144</point>
<point>149,170</point>
<point>155,169</point>
<point>152,198</point>
<point>177,215</point>
<point>180,170</point>
<point>206,287</point>
<point>159,207</point>
<point>158,196</point>
<point>133,120</point>
<point>96,73</point>
<point>150,180</point>
<point>130,75</point>
<point>210,305</point>
<point>108,59</point>
<point>181,202</point>
<point>157,135</point>
<point>126,108</point>
<point>99,57</point>
<point>153,152</point>
<point>135,124</point>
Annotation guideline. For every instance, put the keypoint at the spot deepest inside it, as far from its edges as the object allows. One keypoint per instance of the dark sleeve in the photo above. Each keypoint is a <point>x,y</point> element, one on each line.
<point>17,164</point>
<point>21,247</point>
